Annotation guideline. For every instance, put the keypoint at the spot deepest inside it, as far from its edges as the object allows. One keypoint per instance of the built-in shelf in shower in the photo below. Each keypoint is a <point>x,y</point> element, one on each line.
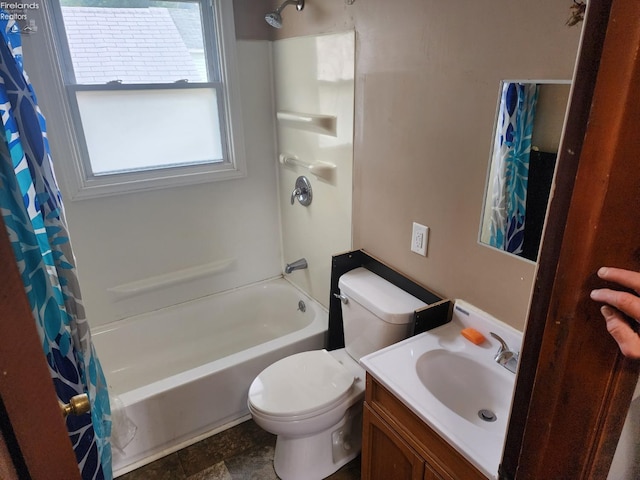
<point>319,169</point>
<point>324,124</point>
<point>170,279</point>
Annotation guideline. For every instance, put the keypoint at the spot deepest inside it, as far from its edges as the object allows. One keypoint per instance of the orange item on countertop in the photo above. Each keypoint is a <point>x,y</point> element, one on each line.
<point>473,335</point>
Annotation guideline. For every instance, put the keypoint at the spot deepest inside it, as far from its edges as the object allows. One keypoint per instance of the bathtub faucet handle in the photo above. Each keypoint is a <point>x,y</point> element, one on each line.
<point>294,194</point>
<point>302,191</point>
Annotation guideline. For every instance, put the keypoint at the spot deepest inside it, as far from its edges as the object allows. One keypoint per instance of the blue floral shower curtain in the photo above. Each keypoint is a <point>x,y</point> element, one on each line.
<point>33,214</point>
<point>510,165</point>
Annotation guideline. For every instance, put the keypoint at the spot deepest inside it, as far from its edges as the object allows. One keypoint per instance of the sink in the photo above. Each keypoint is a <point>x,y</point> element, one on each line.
<point>467,387</point>
<point>453,385</point>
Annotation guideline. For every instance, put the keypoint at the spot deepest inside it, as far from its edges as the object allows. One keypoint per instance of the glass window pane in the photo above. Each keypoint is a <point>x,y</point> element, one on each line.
<point>135,41</point>
<point>149,129</point>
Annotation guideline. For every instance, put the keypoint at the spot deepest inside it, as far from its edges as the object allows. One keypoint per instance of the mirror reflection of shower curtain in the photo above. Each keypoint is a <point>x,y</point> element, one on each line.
<point>32,210</point>
<point>510,164</point>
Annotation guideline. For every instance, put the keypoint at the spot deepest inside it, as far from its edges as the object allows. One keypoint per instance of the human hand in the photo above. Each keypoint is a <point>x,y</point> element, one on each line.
<point>622,302</point>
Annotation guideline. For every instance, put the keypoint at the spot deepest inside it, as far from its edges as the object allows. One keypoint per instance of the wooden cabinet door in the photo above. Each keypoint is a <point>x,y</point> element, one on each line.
<point>385,456</point>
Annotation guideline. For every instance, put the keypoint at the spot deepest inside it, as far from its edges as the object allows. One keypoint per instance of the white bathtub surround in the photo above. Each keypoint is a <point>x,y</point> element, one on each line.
<point>183,373</point>
<point>314,102</point>
<point>143,238</point>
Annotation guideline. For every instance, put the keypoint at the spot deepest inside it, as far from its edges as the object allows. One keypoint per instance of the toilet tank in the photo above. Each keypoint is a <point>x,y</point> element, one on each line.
<point>376,313</point>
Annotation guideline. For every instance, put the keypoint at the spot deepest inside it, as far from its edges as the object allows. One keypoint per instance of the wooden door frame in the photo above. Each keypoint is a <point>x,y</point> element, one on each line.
<point>33,429</point>
<point>574,387</point>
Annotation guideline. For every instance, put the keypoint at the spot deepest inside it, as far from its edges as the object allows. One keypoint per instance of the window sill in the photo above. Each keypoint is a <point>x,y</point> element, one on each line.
<point>110,185</point>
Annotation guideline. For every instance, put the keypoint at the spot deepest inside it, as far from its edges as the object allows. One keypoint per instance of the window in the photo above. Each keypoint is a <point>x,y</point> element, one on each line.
<point>150,92</point>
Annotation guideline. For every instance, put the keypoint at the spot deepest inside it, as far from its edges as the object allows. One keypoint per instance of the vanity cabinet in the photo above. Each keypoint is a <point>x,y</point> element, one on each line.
<point>397,445</point>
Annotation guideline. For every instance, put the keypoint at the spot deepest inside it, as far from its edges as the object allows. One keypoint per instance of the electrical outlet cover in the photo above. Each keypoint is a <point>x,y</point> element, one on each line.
<point>419,239</point>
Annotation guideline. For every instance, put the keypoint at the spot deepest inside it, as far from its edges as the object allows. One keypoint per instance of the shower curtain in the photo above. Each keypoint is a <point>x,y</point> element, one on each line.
<point>511,149</point>
<point>33,214</point>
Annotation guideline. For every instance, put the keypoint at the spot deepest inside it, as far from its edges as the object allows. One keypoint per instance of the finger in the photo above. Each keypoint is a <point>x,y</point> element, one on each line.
<point>623,301</point>
<point>626,338</point>
<point>625,278</point>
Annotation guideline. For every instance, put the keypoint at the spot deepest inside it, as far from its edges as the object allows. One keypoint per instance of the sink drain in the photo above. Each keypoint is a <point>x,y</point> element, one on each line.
<point>487,415</point>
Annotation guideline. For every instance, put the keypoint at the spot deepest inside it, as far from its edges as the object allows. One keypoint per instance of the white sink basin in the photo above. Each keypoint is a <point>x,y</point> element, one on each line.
<point>467,387</point>
<point>456,387</point>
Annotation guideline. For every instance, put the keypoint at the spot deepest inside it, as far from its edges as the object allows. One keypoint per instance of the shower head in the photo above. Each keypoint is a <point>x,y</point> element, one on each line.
<point>275,19</point>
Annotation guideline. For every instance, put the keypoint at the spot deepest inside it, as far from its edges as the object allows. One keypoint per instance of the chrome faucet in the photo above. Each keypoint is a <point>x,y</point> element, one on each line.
<point>297,265</point>
<point>504,356</point>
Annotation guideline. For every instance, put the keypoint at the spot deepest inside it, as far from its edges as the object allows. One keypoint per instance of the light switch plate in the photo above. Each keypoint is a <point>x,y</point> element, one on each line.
<point>419,239</point>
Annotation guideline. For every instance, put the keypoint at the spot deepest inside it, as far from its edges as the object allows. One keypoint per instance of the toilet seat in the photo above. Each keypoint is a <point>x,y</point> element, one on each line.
<point>301,385</point>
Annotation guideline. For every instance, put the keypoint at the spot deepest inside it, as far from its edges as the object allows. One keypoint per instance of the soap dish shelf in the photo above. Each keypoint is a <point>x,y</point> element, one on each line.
<point>324,124</point>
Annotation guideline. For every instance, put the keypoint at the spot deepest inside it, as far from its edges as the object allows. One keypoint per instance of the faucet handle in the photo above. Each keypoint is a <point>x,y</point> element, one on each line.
<point>503,345</point>
<point>505,356</point>
<point>294,194</point>
<point>302,191</point>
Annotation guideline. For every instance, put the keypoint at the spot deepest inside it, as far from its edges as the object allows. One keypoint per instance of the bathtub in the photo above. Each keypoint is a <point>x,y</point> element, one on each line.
<point>182,373</point>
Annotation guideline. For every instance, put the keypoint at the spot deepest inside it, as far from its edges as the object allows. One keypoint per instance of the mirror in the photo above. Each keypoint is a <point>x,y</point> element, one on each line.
<point>527,130</point>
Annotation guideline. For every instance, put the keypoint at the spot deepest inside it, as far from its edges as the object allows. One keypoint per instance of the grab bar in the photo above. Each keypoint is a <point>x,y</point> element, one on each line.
<point>319,169</point>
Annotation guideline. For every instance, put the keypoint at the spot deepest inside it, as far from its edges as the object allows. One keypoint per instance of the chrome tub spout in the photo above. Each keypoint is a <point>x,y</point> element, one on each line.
<point>297,265</point>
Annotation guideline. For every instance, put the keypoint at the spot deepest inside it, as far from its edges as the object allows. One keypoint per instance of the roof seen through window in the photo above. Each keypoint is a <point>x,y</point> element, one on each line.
<point>136,45</point>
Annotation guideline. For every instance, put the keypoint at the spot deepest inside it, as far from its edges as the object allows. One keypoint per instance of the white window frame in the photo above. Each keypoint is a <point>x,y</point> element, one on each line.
<point>82,183</point>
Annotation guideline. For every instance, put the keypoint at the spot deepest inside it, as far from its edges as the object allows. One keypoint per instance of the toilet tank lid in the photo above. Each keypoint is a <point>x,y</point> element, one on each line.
<point>382,298</point>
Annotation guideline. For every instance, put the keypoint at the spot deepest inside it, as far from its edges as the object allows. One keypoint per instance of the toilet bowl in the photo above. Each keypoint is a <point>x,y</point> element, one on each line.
<point>313,400</point>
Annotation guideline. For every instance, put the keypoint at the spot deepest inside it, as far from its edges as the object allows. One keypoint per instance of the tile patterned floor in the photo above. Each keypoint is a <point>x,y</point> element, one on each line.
<point>244,452</point>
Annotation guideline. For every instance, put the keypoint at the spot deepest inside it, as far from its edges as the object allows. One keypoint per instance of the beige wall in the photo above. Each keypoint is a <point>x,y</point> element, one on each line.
<point>427,75</point>
<point>249,20</point>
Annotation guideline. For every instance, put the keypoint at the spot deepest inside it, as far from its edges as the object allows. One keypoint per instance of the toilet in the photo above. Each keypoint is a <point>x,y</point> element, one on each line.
<point>313,400</point>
